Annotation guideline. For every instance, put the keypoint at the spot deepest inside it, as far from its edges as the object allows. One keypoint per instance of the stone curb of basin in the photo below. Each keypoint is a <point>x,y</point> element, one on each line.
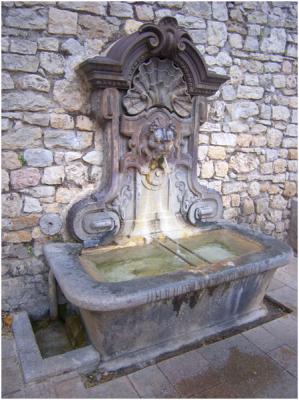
<point>34,367</point>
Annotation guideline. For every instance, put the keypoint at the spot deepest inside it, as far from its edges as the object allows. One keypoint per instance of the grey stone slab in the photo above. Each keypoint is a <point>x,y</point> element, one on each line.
<point>286,357</point>
<point>286,277</point>
<point>43,390</point>
<point>7,347</point>
<point>117,388</point>
<point>275,284</point>
<point>151,383</point>
<point>186,370</point>
<point>12,380</point>
<point>285,295</point>
<point>220,391</point>
<point>263,339</point>
<point>69,386</point>
<point>285,328</point>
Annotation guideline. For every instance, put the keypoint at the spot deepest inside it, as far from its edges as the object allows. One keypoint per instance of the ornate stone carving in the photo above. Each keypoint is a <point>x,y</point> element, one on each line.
<point>158,83</point>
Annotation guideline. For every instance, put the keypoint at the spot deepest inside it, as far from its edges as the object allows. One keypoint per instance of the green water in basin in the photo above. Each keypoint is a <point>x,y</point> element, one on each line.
<point>164,256</point>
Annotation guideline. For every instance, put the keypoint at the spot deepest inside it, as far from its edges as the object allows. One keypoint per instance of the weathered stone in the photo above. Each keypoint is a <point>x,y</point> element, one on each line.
<point>23,46</point>
<point>190,22</point>
<point>31,205</point>
<point>261,205</point>
<point>274,137</point>
<point>233,187</point>
<point>243,109</point>
<point>198,36</point>
<point>228,92</point>
<point>21,138</point>
<point>97,26</point>
<point>26,18</point>
<point>249,92</point>
<point>292,154</point>
<point>34,82</point>
<point>265,111</point>
<point>279,81</point>
<point>279,166</point>
<point>62,22</point>
<point>292,166</point>
<point>71,156</point>
<point>243,163</point>
<point>144,12</point>
<point>48,44</point>
<point>257,17</point>
<point>258,129</point>
<point>289,142</point>
<point>224,59</point>
<point>251,44</point>
<point>290,189</point>
<point>275,43</point>
<point>69,95</point>
<point>272,67</point>
<point>24,177</point>
<point>11,205</point>
<point>53,175</point>
<point>207,169</point>
<point>4,44</point>
<point>217,32</point>
<point>92,7</point>
<point>219,10</point>
<point>50,224</point>
<point>238,127</point>
<point>236,75</point>
<point>52,63</point>
<point>278,202</point>
<point>221,139</point>
<point>10,160</point>
<point>40,191</point>
<point>266,168</point>
<point>291,81</point>
<point>6,124</point>
<point>16,62</point>
<point>77,173</point>
<point>17,237</point>
<point>247,206</point>
<point>37,118</point>
<point>72,46</point>
<point>67,139</point>
<point>94,157</point>
<point>7,82</point>
<point>65,195</point>
<point>121,9</point>
<point>253,66</point>
<point>198,8</point>
<point>217,153</point>
<point>259,141</point>
<point>131,26</point>
<point>292,51</point>
<point>84,123</point>
<point>221,168</point>
<point>244,140</point>
<point>61,121</point>
<point>235,40</point>
<point>280,113</point>
<point>38,157</point>
<point>25,101</point>
<point>254,189</point>
<point>5,180</point>
<point>22,222</point>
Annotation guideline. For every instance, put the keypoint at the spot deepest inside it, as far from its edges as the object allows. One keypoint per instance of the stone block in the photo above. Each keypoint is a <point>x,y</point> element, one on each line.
<point>217,32</point>
<point>219,10</point>
<point>243,109</point>
<point>16,62</point>
<point>275,43</point>
<point>21,138</point>
<point>5,180</point>
<point>243,163</point>
<point>7,82</point>
<point>207,169</point>
<point>24,177</point>
<point>216,153</point>
<point>53,175</point>
<point>17,237</point>
<point>34,82</point>
<point>61,121</point>
<point>69,95</point>
<point>290,189</point>
<point>31,205</point>
<point>77,173</point>
<point>131,26</point>
<point>247,206</point>
<point>221,168</point>
<point>52,63</point>
<point>91,7</point>
<point>23,46</point>
<point>10,160</point>
<point>26,18</point>
<point>48,44</point>
<point>38,157</point>
<point>62,22</point>
<point>121,9</point>
<point>223,139</point>
<point>25,101</point>
<point>249,92</point>
<point>40,191</point>
<point>11,205</point>
<point>41,119</point>
<point>84,123</point>
<point>280,113</point>
<point>144,12</point>
<point>202,9</point>
<point>67,139</point>
<point>274,137</point>
<point>72,47</point>
<point>94,157</point>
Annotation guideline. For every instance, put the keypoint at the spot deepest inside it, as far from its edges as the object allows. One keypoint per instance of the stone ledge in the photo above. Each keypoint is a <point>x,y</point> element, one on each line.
<point>34,367</point>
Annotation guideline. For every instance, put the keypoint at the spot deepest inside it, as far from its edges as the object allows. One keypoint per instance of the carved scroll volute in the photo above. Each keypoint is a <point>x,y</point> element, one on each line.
<point>90,220</point>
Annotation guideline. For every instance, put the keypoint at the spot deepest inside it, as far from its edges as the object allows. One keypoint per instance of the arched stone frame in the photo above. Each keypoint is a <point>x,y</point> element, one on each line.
<point>99,217</point>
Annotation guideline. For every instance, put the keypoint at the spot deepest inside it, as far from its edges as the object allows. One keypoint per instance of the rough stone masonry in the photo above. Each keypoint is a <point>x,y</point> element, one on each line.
<point>52,150</point>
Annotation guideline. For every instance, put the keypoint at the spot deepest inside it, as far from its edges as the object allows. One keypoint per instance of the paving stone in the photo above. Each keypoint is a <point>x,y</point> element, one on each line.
<point>284,328</point>
<point>151,383</point>
<point>286,357</point>
<point>11,376</point>
<point>117,388</point>
<point>285,295</point>
<point>43,390</point>
<point>286,278</point>
<point>220,391</point>
<point>69,386</point>
<point>7,347</point>
<point>275,284</point>
<point>186,371</point>
<point>263,339</point>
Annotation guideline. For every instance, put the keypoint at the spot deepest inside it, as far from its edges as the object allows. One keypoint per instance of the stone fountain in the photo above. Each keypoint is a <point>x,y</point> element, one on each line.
<point>156,269</point>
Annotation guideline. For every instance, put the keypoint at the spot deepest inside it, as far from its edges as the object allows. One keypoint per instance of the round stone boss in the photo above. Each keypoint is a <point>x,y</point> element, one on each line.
<point>50,224</point>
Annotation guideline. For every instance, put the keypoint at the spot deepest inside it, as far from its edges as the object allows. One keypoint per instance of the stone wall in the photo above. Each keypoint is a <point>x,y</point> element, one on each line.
<point>52,151</point>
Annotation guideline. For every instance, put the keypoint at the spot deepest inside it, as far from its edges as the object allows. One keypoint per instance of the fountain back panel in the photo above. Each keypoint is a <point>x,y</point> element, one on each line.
<point>157,269</point>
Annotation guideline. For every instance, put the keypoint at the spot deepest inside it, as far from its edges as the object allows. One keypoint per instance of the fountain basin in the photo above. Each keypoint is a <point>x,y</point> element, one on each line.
<point>132,319</point>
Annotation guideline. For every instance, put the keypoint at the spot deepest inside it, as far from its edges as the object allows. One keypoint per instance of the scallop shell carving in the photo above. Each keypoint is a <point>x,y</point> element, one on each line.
<point>158,83</point>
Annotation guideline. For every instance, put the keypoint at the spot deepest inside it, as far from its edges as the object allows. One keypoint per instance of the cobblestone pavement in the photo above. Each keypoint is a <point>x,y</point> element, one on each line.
<point>259,363</point>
